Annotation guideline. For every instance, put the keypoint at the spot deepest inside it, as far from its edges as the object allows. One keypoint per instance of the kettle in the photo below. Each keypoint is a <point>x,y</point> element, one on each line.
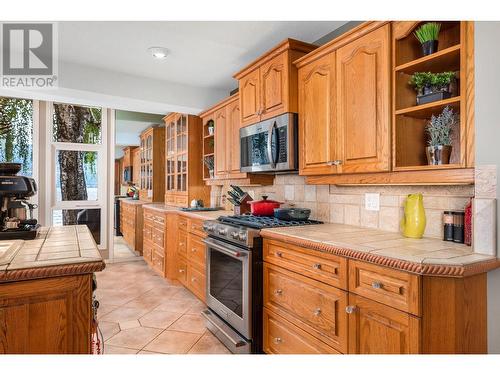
<point>413,222</point>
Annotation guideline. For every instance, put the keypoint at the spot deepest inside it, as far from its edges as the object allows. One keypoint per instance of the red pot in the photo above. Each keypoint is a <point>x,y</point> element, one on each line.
<point>264,207</point>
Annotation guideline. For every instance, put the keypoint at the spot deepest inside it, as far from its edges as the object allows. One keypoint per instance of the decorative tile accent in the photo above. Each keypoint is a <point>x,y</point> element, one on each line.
<point>485,181</point>
<point>484,226</point>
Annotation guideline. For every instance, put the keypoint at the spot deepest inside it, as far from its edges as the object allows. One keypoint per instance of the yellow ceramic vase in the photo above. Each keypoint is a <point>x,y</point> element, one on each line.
<point>413,222</point>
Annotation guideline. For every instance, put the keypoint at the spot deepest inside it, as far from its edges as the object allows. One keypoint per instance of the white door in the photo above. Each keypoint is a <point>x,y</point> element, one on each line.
<point>77,169</point>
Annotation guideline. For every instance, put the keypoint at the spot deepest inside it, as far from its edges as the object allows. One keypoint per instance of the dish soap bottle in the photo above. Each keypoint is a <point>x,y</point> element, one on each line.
<point>413,222</point>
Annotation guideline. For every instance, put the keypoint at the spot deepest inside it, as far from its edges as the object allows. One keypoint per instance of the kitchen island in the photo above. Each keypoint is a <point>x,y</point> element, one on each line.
<point>46,292</point>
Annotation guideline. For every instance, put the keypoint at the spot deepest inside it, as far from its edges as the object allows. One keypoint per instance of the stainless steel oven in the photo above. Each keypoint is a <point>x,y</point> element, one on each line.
<point>229,284</point>
<point>270,145</point>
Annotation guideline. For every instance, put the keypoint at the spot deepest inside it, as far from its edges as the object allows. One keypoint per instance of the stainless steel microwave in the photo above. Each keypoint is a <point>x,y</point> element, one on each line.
<point>270,145</point>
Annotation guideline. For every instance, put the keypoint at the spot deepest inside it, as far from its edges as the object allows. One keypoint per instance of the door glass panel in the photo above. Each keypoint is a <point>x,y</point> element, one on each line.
<point>76,175</point>
<point>88,216</point>
<point>76,124</point>
<point>226,281</point>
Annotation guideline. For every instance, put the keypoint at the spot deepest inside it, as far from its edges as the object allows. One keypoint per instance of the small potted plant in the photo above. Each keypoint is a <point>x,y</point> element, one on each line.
<point>209,163</point>
<point>211,127</point>
<point>431,87</point>
<point>427,35</point>
<point>439,130</point>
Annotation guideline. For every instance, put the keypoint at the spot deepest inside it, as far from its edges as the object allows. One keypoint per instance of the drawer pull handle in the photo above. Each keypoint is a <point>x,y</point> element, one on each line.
<point>278,340</point>
<point>193,279</point>
<point>181,243</point>
<point>317,266</point>
<point>193,250</point>
<point>350,309</point>
<point>181,270</point>
<point>317,312</point>
<point>376,285</point>
<point>278,292</point>
<point>279,254</point>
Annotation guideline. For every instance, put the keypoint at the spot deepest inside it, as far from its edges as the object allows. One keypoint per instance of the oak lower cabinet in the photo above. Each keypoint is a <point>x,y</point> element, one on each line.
<point>131,223</point>
<point>155,234</point>
<point>316,302</point>
<point>191,255</point>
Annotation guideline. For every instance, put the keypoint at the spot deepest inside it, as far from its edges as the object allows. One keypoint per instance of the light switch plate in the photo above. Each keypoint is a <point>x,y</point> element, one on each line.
<point>372,201</point>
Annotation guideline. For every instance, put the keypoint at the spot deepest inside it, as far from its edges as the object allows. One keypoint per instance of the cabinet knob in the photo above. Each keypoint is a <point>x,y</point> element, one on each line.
<point>350,309</point>
<point>181,270</point>
<point>317,266</point>
<point>193,250</point>
<point>278,292</point>
<point>278,340</point>
<point>377,285</point>
<point>317,312</point>
<point>279,254</point>
<point>193,279</point>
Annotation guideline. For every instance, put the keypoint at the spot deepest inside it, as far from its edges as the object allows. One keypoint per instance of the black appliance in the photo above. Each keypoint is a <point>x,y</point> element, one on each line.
<point>117,214</point>
<point>234,279</point>
<point>127,174</point>
<point>14,192</point>
<point>270,145</point>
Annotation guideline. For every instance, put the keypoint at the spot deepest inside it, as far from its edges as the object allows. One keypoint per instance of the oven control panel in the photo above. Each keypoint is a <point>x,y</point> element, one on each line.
<point>232,233</point>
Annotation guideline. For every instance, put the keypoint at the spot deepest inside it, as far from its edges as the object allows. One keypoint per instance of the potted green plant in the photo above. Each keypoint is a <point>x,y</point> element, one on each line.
<point>427,35</point>
<point>431,87</point>
<point>439,130</point>
<point>210,127</point>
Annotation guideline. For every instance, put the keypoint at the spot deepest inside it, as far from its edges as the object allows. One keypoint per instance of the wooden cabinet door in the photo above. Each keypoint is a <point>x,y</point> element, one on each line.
<point>233,137</point>
<point>136,165</point>
<point>378,329</point>
<point>317,117</point>
<point>220,142</point>
<point>274,87</point>
<point>363,113</point>
<point>250,98</point>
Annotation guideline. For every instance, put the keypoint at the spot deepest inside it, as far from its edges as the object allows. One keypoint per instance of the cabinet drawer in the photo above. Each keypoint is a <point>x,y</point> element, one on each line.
<point>196,227</point>
<point>181,201</point>
<point>182,244</point>
<point>147,251</point>
<point>147,232</point>
<point>158,260</point>
<point>169,198</point>
<point>397,289</point>
<point>196,250</point>
<point>182,223</point>
<point>158,236</point>
<point>182,270</point>
<point>159,221</point>
<point>327,268</point>
<point>312,305</point>
<point>282,337</point>
<point>148,216</point>
<point>196,281</point>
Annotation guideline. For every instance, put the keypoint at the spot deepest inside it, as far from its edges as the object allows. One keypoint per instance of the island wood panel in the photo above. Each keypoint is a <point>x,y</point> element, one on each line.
<point>317,117</point>
<point>46,316</point>
<point>363,102</point>
<point>378,329</point>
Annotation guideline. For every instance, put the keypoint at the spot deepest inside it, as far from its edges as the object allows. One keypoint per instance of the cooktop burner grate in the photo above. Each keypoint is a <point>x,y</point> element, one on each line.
<point>260,222</point>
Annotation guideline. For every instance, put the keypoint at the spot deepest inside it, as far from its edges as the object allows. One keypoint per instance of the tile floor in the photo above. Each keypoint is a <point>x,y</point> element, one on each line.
<point>142,313</point>
<point>121,249</point>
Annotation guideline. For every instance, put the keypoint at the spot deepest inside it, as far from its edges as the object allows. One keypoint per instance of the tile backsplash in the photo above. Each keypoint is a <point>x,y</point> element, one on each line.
<point>345,204</point>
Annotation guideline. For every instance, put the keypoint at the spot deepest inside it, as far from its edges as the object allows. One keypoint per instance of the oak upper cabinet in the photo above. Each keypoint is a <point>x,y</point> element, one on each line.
<point>375,328</point>
<point>152,182</point>
<point>363,112</point>
<point>221,142</point>
<point>268,86</point>
<point>250,97</point>
<point>317,116</point>
<point>233,138</point>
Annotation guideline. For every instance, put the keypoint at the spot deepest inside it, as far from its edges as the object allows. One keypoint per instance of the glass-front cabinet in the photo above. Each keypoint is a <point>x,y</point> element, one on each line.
<point>183,160</point>
<point>152,183</point>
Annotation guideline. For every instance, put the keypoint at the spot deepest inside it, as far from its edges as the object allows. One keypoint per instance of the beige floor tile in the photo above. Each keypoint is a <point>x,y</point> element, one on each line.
<point>197,308</point>
<point>104,309</point>
<point>124,314</point>
<point>209,344</point>
<point>129,324</point>
<point>184,293</point>
<point>134,338</point>
<point>173,342</point>
<point>176,305</point>
<point>146,302</point>
<point>109,329</point>
<point>148,352</point>
<point>193,323</point>
<point>159,319</point>
<point>110,349</point>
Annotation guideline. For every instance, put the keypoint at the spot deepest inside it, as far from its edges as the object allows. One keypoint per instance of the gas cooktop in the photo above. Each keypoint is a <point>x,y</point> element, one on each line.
<point>261,222</point>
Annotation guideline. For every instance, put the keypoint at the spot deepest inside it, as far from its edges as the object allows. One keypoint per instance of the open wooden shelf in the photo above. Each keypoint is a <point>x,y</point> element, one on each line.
<point>425,111</point>
<point>427,167</point>
<point>208,136</point>
<point>445,60</point>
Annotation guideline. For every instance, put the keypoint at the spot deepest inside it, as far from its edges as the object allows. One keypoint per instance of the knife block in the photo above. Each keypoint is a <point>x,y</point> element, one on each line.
<point>244,206</point>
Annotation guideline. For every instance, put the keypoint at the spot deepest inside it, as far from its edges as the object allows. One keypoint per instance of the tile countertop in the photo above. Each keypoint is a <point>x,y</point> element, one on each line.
<point>423,256</point>
<point>56,251</point>
<point>203,215</point>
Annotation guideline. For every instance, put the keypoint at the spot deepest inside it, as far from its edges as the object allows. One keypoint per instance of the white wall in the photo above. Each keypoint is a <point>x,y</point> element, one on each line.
<point>487,79</point>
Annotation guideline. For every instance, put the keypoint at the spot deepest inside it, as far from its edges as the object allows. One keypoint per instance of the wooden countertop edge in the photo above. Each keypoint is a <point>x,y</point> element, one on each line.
<point>443,270</point>
<point>51,271</point>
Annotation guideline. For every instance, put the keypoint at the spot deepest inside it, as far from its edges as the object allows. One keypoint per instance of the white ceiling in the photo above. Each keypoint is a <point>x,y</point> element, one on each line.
<point>203,54</point>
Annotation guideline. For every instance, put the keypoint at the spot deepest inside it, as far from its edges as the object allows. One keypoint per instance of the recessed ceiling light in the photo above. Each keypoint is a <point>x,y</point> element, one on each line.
<point>158,52</point>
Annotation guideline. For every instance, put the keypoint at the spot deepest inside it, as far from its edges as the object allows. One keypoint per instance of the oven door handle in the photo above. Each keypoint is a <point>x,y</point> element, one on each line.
<point>227,249</point>
<point>270,144</point>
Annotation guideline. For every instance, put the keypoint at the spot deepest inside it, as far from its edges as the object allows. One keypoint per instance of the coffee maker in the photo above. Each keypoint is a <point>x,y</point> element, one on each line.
<point>14,207</point>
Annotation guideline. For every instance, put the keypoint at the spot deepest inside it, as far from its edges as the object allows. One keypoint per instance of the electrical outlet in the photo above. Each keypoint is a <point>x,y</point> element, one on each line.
<point>372,201</point>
